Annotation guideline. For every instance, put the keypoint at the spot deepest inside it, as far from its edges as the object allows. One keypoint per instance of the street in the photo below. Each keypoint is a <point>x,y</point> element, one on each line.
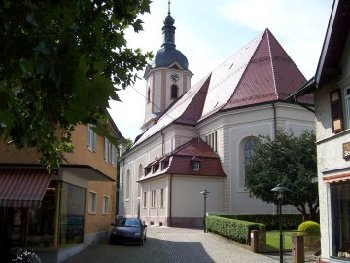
<point>166,244</point>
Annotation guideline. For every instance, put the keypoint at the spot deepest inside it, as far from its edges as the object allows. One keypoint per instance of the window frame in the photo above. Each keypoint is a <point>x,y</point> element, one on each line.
<point>91,138</point>
<point>144,200</point>
<point>162,198</point>
<point>105,205</point>
<point>174,91</point>
<point>153,198</point>
<point>92,203</point>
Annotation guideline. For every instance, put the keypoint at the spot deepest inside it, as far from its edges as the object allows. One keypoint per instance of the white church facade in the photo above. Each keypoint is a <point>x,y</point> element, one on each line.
<point>201,136</point>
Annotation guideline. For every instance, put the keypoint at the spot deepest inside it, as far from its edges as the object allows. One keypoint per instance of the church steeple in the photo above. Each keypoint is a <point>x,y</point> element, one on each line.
<point>168,77</point>
<point>168,31</point>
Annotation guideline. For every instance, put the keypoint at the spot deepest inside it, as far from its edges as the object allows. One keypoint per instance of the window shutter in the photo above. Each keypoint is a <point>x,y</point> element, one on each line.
<point>336,111</point>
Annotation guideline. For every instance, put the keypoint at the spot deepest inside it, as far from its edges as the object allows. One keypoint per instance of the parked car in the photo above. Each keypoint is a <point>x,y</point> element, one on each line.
<point>128,230</point>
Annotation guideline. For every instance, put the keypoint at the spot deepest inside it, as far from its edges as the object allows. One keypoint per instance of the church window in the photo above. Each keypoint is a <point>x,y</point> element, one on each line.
<point>153,198</point>
<point>127,185</point>
<point>212,140</point>
<point>139,184</point>
<point>144,199</point>
<point>174,91</point>
<point>149,95</point>
<point>249,150</point>
<point>162,197</point>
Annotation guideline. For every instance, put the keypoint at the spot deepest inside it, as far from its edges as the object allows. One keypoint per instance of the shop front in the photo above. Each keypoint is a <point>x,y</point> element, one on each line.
<point>40,213</point>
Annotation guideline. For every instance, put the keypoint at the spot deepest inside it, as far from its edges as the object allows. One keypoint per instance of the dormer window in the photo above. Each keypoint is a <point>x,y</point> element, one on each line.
<point>196,165</point>
<point>164,164</point>
<point>147,170</point>
<point>174,91</point>
<point>155,167</point>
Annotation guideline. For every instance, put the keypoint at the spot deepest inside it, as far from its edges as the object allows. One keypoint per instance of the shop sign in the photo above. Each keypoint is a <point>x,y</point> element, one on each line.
<point>346,150</point>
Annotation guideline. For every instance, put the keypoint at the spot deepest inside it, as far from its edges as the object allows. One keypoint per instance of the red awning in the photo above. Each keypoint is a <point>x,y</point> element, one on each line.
<point>23,187</point>
<point>336,178</point>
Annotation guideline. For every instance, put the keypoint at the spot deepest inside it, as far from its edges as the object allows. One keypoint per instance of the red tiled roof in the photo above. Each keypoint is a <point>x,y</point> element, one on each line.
<point>270,75</point>
<point>180,161</point>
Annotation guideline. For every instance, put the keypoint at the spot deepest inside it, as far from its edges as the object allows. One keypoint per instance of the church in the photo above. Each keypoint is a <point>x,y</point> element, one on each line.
<point>202,136</point>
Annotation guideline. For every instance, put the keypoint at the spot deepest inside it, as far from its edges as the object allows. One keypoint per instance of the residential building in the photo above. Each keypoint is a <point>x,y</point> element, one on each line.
<point>60,213</point>
<point>202,136</point>
<point>331,87</point>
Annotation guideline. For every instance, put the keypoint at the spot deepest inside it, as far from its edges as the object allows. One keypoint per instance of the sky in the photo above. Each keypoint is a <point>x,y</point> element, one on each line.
<point>208,32</point>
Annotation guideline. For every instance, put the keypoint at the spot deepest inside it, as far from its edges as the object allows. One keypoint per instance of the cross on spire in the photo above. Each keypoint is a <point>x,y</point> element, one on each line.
<point>169,7</point>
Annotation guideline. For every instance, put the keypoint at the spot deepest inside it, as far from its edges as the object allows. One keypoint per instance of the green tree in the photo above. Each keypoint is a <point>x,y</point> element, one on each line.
<point>60,63</point>
<point>291,161</point>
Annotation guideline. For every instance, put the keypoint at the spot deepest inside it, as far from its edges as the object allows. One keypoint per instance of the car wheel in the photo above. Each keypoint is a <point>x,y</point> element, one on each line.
<point>142,241</point>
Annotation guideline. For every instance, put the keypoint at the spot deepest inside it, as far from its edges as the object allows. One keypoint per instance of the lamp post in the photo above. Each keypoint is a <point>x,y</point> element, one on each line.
<point>280,191</point>
<point>204,193</point>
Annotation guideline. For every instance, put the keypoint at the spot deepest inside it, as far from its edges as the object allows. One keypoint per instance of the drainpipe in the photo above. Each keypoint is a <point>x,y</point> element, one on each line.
<point>120,192</point>
<point>274,121</point>
<point>170,198</point>
<point>161,132</point>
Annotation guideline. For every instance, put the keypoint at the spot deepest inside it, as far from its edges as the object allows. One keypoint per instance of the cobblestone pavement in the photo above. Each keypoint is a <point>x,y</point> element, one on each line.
<point>165,244</point>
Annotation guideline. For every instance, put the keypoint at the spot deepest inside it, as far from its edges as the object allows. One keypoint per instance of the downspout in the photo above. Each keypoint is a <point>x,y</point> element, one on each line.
<point>274,120</point>
<point>120,190</point>
<point>170,199</point>
<point>161,132</point>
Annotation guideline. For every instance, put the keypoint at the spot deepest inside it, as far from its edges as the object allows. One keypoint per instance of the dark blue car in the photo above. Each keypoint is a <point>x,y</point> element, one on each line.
<point>128,231</point>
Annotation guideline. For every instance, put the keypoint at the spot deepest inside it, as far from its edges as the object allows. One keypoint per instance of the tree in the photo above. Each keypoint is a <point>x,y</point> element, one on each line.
<point>60,62</point>
<point>291,161</point>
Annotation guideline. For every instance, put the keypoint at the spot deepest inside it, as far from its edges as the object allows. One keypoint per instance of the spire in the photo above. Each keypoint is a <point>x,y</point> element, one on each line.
<point>168,30</point>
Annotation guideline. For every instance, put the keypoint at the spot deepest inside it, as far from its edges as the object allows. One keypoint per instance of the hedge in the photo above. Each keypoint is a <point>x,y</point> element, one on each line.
<point>289,221</point>
<point>237,230</point>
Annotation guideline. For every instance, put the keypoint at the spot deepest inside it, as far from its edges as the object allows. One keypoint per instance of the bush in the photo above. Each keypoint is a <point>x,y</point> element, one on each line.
<point>234,229</point>
<point>290,221</point>
<point>312,233</point>
<point>310,227</point>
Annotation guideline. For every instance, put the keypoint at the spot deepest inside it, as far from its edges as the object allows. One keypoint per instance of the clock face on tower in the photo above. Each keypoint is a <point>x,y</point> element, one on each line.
<point>174,77</point>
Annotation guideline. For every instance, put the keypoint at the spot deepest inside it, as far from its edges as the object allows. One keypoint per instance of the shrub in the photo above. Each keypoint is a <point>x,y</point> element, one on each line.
<point>290,221</point>
<point>311,230</point>
<point>310,227</point>
<point>234,229</point>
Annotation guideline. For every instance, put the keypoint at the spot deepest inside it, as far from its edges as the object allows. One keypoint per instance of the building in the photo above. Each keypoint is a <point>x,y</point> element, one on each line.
<point>331,86</point>
<point>59,214</point>
<point>202,136</point>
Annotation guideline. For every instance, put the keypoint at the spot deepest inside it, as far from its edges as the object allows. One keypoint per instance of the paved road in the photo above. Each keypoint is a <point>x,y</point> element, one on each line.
<point>178,245</point>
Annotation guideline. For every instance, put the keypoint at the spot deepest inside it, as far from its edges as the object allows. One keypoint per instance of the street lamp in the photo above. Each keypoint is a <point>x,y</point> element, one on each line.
<point>204,193</point>
<point>280,191</point>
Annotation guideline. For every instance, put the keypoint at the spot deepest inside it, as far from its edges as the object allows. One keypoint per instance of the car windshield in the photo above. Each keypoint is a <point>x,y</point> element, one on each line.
<point>128,222</point>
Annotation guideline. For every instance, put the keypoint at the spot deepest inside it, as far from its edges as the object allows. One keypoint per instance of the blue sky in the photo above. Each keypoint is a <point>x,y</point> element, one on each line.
<point>208,32</point>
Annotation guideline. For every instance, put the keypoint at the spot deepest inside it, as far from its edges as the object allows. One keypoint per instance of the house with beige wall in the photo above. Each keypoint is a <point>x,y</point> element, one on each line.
<point>331,87</point>
<point>201,136</point>
<point>58,214</point>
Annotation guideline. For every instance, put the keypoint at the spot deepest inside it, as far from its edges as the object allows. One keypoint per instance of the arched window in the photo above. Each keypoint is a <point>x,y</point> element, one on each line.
<point>127,185</point>
<point>248,150</point>
<point>149,95</point>
<point>174,91</point>
<point>139,184</point>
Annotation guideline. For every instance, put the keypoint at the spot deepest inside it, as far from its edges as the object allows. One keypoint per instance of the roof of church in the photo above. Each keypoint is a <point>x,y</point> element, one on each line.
<point>260,72</point>
<point>180,161</point>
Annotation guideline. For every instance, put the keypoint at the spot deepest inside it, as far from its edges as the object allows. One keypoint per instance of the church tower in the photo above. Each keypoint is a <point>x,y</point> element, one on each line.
<point>168,78</point>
